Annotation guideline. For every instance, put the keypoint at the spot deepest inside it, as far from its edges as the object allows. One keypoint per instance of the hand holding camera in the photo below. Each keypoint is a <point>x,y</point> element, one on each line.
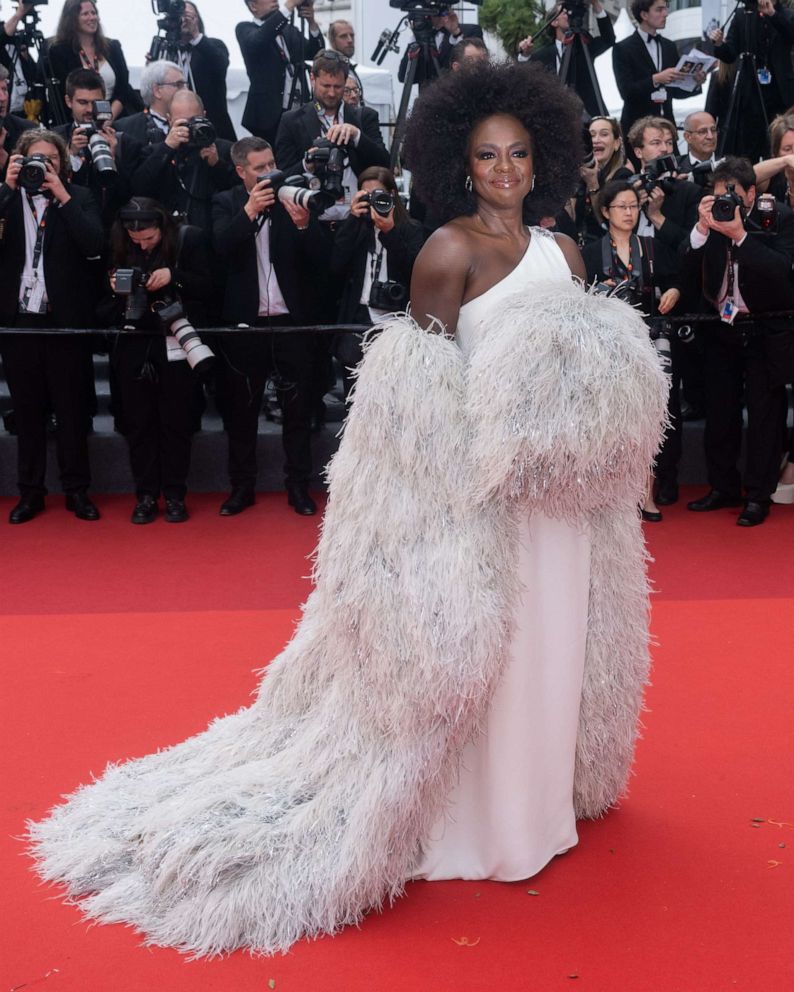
<point>179,135</point>
<point>715,214</point>
<point>260,199</point>
<point>342,134</point>
<point>378,205</point>
<point>210,155</point>
<point>35,174</point>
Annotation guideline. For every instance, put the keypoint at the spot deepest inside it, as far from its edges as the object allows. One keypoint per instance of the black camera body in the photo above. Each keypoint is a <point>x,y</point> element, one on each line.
<point>163,46</point>
<point>381,201</point>
<point>202,132</point>
<point>388,295</point>
<point>32,173</point>
<point>724,206</point>
<point>658,172</point>
<point>329,166</point>
<point>132,284</point>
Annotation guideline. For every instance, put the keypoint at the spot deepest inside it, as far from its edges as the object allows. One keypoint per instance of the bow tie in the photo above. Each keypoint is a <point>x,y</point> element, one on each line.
<point>653,37</point>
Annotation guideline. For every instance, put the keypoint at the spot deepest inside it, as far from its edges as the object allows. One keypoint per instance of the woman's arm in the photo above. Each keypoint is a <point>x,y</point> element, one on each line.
<point>572,255</point>
<point>439,280</point>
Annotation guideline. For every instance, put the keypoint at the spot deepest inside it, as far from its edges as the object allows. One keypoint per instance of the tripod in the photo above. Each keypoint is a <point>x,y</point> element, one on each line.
<point>422,63</point>
<point>746,124</point>
<point>299,81</point>
<point>576,61</point>
<point>31,37</point>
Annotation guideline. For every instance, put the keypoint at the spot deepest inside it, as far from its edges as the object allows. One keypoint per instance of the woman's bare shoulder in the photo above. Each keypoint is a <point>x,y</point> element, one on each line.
<point>449,246</point>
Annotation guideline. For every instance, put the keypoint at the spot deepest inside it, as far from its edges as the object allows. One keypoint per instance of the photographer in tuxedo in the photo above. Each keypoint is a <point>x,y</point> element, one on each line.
<point>11,126</point>
<point>274,51</point>
<point>743,268</point>
<point>273,253</point>
<point>160,81</point>
<point>644,65</point>
<point>204,62</point>
<point>49,230</point>
<point>17,58</point>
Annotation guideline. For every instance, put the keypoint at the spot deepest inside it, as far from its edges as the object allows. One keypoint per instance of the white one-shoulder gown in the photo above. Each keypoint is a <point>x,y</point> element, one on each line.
<point>512,809</point>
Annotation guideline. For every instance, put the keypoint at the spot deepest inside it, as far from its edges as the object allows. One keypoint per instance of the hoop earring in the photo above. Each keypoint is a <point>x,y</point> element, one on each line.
<point>469,185</point>
<point>532,186</point>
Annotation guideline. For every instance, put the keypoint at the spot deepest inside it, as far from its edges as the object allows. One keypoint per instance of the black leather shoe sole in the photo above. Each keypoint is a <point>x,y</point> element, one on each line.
<point>176,512</point>
<point>753,515</point>
<point>651,516</point>
<point>713,502</point>
<point>236,503</point>
<point>82,508</point>
<point>25,510</point>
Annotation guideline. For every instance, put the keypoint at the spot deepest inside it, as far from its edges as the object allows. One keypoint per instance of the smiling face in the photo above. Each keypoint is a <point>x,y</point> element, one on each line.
<point>700,133</point>
<point>604,141</point>
<point>500,160</point>
<point>88,18</point>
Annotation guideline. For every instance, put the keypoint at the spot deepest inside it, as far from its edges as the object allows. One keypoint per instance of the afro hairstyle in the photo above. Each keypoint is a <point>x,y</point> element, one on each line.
<point>446,112</point>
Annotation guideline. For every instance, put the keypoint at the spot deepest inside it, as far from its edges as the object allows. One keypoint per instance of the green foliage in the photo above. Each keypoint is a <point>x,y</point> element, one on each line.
<point>512,20</point>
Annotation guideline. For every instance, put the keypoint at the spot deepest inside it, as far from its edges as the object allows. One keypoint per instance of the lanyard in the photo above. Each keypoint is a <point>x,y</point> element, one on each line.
<point>375,261</point>
<point>37,248</point>
<point>731,273</point>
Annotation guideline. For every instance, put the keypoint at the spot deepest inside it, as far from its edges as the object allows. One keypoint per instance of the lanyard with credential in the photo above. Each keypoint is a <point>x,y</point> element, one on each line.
<point>41,225</point>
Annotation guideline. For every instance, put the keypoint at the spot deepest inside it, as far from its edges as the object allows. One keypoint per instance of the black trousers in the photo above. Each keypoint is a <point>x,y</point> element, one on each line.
<point>669,457</point>
<point>158,400</point>
<point>49,373</point>
<point>737,367</point>
<point>245,364</point>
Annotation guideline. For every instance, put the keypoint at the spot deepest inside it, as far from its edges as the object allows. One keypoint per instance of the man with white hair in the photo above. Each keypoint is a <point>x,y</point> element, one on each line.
<point>700,135</point>
<point>160,81</point>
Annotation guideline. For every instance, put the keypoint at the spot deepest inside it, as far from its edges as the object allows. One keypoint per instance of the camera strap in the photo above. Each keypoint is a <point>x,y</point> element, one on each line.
<point>41,224</point>
<point>375,263</point>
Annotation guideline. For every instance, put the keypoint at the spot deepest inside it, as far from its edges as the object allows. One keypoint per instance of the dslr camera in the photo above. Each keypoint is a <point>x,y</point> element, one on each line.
<point>102,159</point>
<point>724,206</point>
<point>388,295</point>
<point>381,201</point>
<point>202,132</point>
<point>163,45</point>
<point>329,166</point>
<point>32,173</point>
<point>295,189</point>
<point>658,172</point>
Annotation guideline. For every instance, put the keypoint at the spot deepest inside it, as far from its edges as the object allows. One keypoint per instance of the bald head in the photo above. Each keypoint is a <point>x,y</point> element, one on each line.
<point>700,134</point>
<point>185,104</point>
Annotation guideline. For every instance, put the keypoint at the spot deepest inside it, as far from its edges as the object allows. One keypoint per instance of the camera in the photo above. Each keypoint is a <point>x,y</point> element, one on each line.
<point>658,172</point>
<point>32,173</point>
<point>101,153</point>
<point>724,206</point>
<point>202,132</point>
<point>389,295</point>
<point>577,14</point>
<point>164,46</point>
<point>294,189</point>
<point>329,167</point>
<point>173,321</point>
<point>381,201</point>
<point>132,284</point>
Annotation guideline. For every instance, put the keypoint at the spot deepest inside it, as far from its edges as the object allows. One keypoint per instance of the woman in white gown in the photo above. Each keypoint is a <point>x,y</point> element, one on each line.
<point>480,568</point>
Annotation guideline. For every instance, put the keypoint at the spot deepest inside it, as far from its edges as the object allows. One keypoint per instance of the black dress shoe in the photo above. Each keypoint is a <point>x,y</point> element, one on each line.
<point>753,514</point>
<point>713,500</point>
<point>81,506</point>
<point>299,499</point>
<point>175,511</point>
<point>240,499</point>
<point>667,494</point>
<point>145,511</point>
<point>651,516</point>
<point>26,509</point>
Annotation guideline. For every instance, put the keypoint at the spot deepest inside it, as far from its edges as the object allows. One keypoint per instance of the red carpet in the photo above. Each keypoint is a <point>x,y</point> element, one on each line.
<point>119,639</point>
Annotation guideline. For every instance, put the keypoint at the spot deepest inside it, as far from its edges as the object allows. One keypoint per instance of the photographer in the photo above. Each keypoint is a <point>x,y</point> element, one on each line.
<point>273,252</point>
<point>204,62</point>
<point>374,253</point>
<point>766,30</point>
<point>11,126</point>
<point>186,170</point>
<point>669,204</point>
<point>645,274</point>
<point>561,35</point>
<point>48,231</point>
<point>105,167</point>
<point>80,43</point>
<point>744,268</point>
<point>447,32</point>
<point>644,65</point>
<point>160,82</point>
<point>330,118</point>
<point>16,57</point>
<point>157,374</point>
<point>274,53</point>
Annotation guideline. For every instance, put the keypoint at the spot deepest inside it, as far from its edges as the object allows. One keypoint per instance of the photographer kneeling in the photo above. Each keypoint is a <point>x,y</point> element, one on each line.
<point>743,257</point>
<point>160,280</point>
<point>374,251</point>
<point>643,273</point>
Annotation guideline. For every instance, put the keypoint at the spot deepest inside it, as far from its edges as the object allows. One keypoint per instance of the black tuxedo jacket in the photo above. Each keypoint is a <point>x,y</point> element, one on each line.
<point>14,126</point>
<point>444,52</point>
<point>73,235</point>
<point>299,130</point>
<point>141,127</point>
<point>350,253</point>
<point>680,212</point>
<point>209,61</point>
<point>634,68</point>
<point>183,182</point>
<point>267,71</point>
<point>765,265</point>
<point>296,255</point>
<point>774,37</point>
<point>63,58</point>
<point>578,76</point>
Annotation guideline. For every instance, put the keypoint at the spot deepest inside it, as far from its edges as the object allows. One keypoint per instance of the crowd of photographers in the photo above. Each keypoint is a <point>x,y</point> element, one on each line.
<point>141,210</point>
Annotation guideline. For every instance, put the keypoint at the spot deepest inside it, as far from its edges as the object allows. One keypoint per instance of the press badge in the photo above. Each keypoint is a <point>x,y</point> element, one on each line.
<point>764,77</point>
<point>728,311</point>
<point>33,297</point>
<point>659,96</point>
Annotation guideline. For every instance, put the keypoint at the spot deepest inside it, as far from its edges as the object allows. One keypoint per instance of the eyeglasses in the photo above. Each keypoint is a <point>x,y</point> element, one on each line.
<point>178,86</point>
<point>352,90</point>
<point>624,206</point>
<point>703,132</point>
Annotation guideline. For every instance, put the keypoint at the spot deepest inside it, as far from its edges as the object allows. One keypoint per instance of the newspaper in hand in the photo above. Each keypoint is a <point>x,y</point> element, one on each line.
<point>689,64</point>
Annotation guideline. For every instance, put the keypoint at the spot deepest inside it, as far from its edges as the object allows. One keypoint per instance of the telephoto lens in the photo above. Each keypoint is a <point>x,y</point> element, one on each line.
<point>173,321</point>
<point>102,159</point>
<point>33,173</point>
